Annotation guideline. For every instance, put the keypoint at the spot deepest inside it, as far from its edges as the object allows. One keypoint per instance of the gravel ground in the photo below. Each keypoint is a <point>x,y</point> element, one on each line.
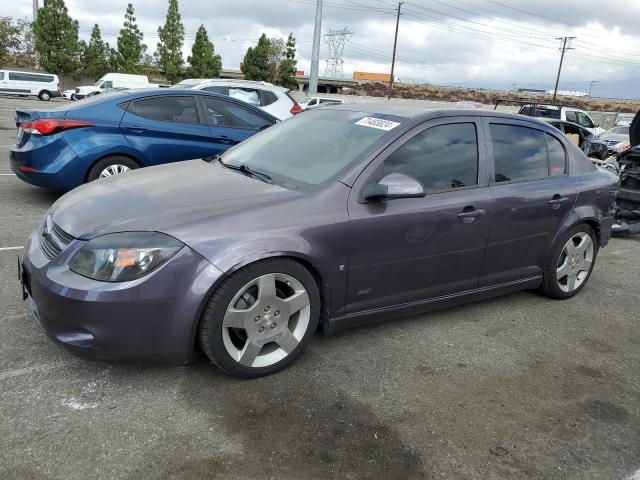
<point>511,388</point>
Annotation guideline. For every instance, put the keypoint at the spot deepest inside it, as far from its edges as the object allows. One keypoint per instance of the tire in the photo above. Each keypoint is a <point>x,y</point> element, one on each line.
<point>73,97</point>
<point>44,95</point>
<point>250,349</point>
<point>113,163</point>
<point>561,267</point>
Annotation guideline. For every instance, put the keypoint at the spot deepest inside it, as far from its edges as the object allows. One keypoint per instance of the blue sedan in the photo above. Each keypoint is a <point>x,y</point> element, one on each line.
<point>112,133</point>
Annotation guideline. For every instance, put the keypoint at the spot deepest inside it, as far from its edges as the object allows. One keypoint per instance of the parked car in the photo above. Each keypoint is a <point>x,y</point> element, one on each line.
<point>123,130</point>
<point>315,102</point>
<point>591,145</point>
<point>624,119</point>
<point>390,212</point>
<point>45,86</point>
<point>560,112</point>
<point>112,81</point>
<point>617,139</point>
<point>271,98</point>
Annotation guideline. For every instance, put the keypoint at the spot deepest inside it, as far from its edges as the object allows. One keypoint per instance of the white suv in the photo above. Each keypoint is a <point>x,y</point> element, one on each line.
<point>569,114</point>
<point>270,98</point>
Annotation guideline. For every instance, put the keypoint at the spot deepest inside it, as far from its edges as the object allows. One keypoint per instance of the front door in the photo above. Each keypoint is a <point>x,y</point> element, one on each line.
<point>167,129</point>
<point>412,249</point>
<point>532,195</point>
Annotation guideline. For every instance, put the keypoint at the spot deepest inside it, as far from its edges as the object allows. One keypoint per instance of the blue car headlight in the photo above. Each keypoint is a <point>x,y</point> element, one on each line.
<point>120,257</point>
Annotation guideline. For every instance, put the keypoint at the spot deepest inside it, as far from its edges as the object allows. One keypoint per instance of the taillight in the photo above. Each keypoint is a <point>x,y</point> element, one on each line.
<point>50,126</point>
<point>296,109</point>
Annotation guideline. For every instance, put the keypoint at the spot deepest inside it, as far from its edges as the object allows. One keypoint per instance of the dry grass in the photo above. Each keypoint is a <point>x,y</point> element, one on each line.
<point>450,94</point>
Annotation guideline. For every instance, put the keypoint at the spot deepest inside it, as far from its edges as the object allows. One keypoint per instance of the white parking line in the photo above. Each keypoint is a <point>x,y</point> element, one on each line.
<point>10,248</point>
<point>8,174</point>
<point>28,370</point>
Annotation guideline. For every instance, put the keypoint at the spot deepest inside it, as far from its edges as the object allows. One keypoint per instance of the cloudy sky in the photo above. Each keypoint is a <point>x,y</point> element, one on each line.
<point>483,43</point>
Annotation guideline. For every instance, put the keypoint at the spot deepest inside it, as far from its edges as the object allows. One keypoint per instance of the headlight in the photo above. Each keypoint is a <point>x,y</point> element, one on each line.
<point>120,257</point>
<point>621,147</point>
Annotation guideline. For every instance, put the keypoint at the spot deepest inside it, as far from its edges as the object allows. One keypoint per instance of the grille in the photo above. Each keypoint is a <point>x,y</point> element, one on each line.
<point>54,239</point>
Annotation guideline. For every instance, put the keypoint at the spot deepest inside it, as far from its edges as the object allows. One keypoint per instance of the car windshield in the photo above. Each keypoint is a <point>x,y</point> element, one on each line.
<point>98,83</point>
<point>620,130</point>
<point>312,148</point>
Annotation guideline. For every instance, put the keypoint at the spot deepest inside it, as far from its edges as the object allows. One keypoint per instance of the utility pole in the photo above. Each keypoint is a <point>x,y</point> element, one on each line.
<point>315,50</point>
<point>563,49</point>
<point>591,86</point>
<point>395,45</point>
<point>35,17</point>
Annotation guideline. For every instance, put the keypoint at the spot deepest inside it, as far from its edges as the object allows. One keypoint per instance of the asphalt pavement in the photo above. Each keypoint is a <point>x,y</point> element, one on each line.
<point>518,387</point>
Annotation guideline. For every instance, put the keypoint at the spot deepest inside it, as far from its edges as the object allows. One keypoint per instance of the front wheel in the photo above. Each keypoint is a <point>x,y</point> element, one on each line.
<point>570,263</point>
<point>261,318</point>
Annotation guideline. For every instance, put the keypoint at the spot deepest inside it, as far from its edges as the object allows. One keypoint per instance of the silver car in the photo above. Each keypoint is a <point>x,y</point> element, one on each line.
<point>616,138</point>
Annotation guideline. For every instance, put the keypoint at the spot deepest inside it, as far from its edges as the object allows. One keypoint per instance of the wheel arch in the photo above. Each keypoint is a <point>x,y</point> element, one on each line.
<point>584,214</point>
<point>323,286</point>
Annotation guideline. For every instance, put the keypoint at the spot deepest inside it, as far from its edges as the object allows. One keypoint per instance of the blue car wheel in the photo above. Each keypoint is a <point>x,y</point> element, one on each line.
<point>112,165</point>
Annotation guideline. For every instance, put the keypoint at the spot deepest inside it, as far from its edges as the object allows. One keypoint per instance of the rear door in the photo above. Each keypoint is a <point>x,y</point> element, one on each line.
<point>231,122</point>
<point>412,249</point>
<point>167,128</point>
<point>532,195</point>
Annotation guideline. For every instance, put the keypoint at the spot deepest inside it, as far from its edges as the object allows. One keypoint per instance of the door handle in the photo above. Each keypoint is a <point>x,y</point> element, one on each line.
<point>224,139</point>
<point>469,214</point>
<point>557,201</point>
<point>136,129</point>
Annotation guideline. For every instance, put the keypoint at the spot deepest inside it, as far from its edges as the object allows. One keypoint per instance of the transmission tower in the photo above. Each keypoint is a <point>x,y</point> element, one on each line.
<point>336,40</point>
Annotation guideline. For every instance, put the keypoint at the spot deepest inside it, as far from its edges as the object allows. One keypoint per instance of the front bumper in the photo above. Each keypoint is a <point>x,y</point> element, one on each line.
<point>153,318</point>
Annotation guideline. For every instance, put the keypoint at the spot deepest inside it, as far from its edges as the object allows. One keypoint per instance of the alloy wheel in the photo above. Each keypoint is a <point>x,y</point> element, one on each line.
<point>113,170</point>
<point>575,262</point>
<point>266,320</point>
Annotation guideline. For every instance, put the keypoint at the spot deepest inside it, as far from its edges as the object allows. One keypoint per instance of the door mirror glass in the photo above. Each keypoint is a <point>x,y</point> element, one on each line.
<point>393,185</point>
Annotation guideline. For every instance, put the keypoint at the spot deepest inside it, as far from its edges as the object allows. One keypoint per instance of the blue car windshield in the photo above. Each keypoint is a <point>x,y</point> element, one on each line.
<point>313,147</point>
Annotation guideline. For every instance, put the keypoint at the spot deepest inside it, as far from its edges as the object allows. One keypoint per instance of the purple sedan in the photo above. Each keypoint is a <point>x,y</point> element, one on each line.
<point>335,218</point>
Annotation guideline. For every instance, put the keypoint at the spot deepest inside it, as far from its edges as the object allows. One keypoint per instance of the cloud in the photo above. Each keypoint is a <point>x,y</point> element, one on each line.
<point>490,43</point>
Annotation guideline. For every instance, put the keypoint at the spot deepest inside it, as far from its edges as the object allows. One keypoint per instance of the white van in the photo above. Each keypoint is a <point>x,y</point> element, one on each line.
<point>109,82</point>
<point>42,85</point>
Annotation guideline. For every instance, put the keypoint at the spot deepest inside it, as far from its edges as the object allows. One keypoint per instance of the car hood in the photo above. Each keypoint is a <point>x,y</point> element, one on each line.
<point>175,199</point>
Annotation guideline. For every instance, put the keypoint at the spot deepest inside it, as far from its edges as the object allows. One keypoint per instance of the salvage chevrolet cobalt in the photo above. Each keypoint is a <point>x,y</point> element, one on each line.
<point>335,218</point>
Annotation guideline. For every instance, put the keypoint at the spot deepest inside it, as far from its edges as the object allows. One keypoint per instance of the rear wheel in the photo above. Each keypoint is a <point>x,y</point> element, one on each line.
<point>570,263</point>
<point>261,318</point>
<point>44,96</point>
<point>112,165</point>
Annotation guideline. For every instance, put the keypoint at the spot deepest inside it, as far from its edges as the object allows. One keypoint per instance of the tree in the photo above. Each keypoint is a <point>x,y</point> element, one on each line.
<point>287,72</point>
<point>170,44</point>
<point>130,46</point>
<point>203,62</point>
<point>274,58</point>
<point>256,61</point>
<point>9,39</point>
<point>95,55</point>
<point>56,38</point>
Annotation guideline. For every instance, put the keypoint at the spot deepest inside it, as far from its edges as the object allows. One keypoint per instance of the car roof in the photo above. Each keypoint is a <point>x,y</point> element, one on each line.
<point>413,111</point>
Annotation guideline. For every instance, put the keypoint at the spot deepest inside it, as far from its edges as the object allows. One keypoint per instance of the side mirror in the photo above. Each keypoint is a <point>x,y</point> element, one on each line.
<point>393,185</point>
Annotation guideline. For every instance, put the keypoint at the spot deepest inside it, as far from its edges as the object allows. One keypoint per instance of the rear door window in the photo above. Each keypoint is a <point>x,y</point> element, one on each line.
<point>224,113</point>
<point>30,77</point>
<point>170,108</point>
<point>557,156</point>
<point>441,158</point>
<point>519,153</point>
<point>571,116</point>
<point>214,89</point>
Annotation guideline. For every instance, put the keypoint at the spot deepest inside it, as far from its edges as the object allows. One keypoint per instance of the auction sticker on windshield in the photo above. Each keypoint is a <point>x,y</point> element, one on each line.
<point>378,123</point>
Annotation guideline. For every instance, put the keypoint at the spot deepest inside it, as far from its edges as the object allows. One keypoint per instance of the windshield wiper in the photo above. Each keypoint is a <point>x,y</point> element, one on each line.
<point>246,170</point>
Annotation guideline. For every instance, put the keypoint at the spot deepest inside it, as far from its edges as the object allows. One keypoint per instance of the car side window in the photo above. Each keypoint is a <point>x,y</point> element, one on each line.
<point>107,84</point>
<point>520,153</point>
<point>170,108</point>
<point>557,156</point>
<point>214,89</point>
<point>571,116</point>
<point>230,114</point>
<point>441,157</point>
<point>584,120</point>
<point>267,98</point>
<point>1,75</point>
<point>248,95</point>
